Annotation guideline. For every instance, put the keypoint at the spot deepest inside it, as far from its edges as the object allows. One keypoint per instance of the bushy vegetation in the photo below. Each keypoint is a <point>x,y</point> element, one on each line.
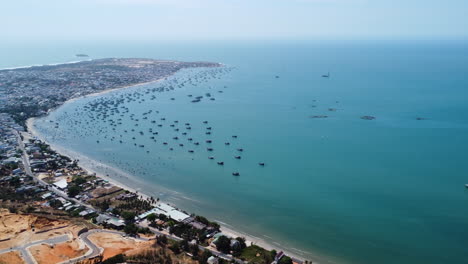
<point>256,254</point>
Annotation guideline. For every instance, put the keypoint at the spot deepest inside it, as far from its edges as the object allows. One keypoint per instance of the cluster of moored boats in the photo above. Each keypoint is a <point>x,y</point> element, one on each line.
<point>110,117</point>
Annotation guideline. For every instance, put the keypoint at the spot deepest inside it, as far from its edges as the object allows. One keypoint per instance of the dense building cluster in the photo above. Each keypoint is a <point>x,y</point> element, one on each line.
<point>32,91</point>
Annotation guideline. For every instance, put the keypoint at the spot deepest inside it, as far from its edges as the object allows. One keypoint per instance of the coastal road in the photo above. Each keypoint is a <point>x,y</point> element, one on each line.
<point>28,258</point>
<point>24,156</point>
<point>27,168</point>
<point>214,252</point>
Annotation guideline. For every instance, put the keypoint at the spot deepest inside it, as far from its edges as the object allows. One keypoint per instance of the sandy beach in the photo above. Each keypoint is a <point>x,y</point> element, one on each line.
<point>117,178</point>
<point>123,180</point>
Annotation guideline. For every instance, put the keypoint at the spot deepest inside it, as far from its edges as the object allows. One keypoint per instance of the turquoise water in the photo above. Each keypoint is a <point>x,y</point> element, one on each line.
<point>389,190</point>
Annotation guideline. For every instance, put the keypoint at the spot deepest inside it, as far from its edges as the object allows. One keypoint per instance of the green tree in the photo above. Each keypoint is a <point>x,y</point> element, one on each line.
<point>131,229</point>
<point>79,180</point>
<point>175,247</point>
<point>128,216</point>
<point>194,250</point>
<point>15,182</point>
<point>205,256</point>
<point>161,240</point>
<point>163,217</point>
<point>223,244</point>
<point>285,260</point>
<point>151,217</point>
<point>73,190</point>
<point>55,203</point>
<point>185,245</point>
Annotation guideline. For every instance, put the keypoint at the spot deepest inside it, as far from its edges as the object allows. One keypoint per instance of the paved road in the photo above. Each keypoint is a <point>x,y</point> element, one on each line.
<point>214,252</point>
<point>28,258</point>
<point>27,168</point>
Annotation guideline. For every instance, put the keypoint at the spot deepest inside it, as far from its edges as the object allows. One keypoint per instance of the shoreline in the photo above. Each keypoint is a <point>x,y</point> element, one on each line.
<point>89,165</point>
<point>40,65</point>
<point>92,166</point>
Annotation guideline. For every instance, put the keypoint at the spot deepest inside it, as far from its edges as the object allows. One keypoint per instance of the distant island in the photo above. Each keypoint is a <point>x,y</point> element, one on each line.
<point>81,55</point>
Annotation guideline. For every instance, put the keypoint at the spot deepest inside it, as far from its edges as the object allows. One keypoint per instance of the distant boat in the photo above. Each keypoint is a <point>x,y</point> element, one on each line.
<point>236,174</point>
<point>211,157</point>
<point>220,163</point>
<point>466,185</point>
<point>326,75</point>
<point>261,163</point>
<point>237,157</point>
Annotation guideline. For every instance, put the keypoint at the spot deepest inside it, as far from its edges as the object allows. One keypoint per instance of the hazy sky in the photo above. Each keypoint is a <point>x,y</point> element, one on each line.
<point>232,19</point>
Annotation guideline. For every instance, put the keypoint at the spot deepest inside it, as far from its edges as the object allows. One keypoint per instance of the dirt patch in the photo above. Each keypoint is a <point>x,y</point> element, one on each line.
<point>11,258</point>
<point>45,254</point>
<point>23,228</point>
<point>114,244</point>
<point>102,191</point>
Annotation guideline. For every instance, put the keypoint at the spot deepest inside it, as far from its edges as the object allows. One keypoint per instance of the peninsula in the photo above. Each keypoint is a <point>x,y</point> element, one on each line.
<point>33,91</point>
<point>71,214</point>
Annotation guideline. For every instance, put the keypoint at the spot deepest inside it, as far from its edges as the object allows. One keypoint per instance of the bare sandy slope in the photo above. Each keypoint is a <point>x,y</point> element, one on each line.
<point>11,258</point>
<point>23,229</point>
<point>114,244</point>
<point>45,254</point>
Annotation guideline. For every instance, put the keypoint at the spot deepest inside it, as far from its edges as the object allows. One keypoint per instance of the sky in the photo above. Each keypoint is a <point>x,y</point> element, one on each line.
<point>232,19</point>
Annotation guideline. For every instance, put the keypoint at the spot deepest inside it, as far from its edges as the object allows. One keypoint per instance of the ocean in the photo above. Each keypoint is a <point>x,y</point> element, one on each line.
<point>339,189</point>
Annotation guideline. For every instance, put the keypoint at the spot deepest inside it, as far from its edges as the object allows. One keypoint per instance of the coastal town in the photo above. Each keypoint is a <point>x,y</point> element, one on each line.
<point>33,91</point>
<point>80,209</point>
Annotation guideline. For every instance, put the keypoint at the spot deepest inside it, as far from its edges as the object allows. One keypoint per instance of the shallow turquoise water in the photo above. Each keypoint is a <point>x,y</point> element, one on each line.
<point>390,190</point>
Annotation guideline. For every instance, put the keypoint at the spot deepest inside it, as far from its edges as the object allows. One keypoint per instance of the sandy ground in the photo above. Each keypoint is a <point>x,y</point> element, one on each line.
<point>45,254</point>
<point>11,258</point>
<point>22,229</point>
<point>114,244</point>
